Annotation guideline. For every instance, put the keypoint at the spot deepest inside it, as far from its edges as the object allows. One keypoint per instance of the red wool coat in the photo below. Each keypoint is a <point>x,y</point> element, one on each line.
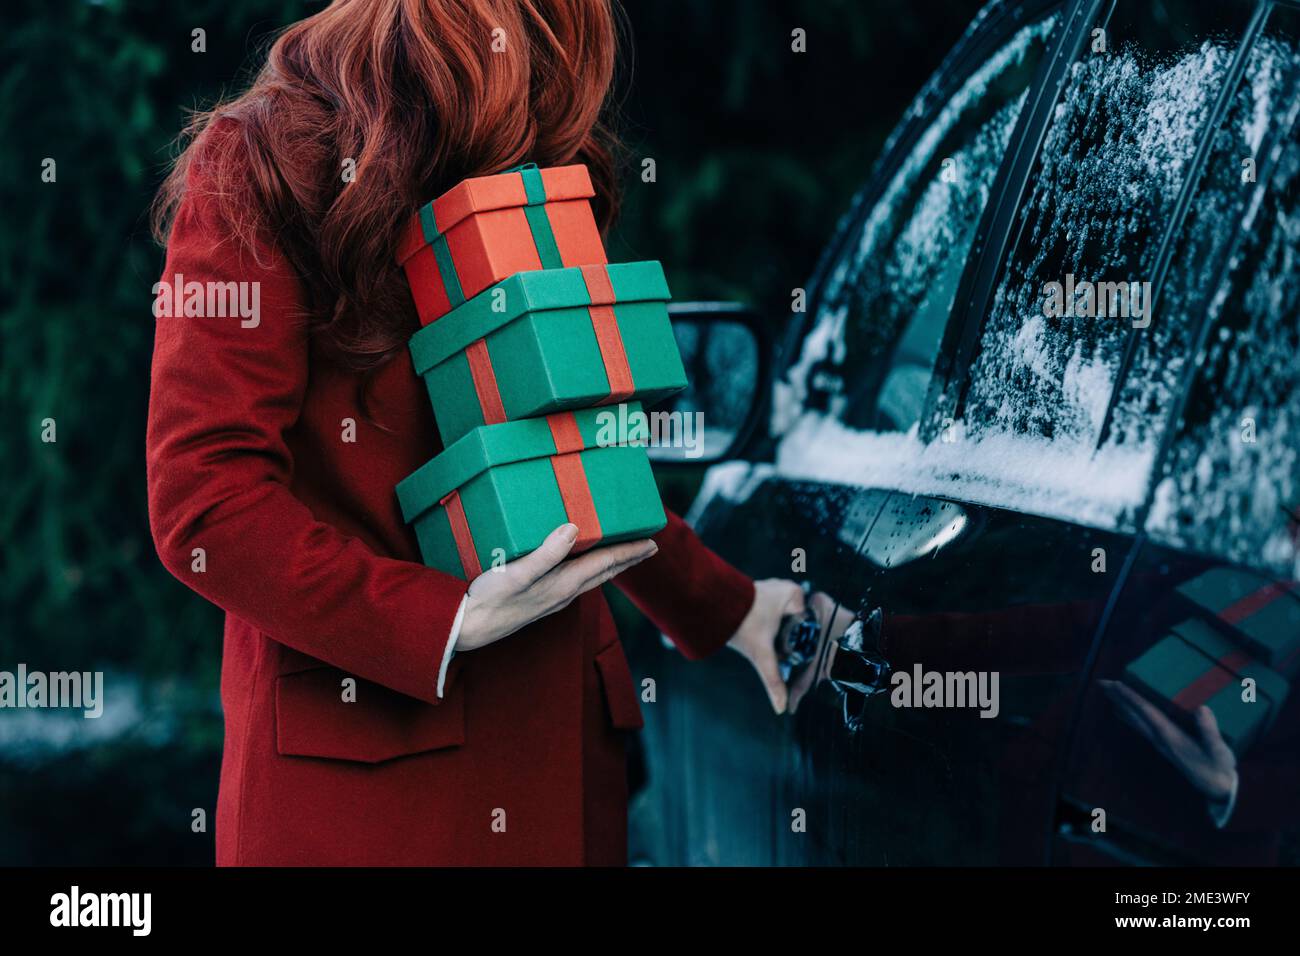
<point>303,546</point>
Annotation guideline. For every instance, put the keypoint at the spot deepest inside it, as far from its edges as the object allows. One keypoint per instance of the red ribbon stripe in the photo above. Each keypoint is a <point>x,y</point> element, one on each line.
<point>571,478</point>
<point>461,534</point>
<point>608,337</point>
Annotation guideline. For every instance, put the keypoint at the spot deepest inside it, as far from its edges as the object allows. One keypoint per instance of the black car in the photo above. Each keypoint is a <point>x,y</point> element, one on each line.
<point>1038,423</point>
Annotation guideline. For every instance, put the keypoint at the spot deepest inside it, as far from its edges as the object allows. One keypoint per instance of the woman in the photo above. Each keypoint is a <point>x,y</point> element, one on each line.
<point>375,712</point>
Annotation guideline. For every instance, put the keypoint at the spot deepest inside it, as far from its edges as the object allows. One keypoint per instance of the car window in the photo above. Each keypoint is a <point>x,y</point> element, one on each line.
<point>1112,164</point>
<point>1165,350</point>
<point>1230,484</point>
<point>1102,195</point>
<point>1184,633</point>
<point>867,358</point>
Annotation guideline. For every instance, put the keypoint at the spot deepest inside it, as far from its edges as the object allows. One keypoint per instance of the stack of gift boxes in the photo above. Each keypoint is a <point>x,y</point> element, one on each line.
<point>1235,654</point>
<point>528,337</point>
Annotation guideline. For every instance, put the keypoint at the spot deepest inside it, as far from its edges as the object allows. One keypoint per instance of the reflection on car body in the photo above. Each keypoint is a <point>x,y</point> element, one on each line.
<point>1101,515</point>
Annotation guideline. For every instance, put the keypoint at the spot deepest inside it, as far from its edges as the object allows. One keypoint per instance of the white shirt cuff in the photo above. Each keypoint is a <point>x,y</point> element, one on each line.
<point>1222,812</point>
<point>450,652</point>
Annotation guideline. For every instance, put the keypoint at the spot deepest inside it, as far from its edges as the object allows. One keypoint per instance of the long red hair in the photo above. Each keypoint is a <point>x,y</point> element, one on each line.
<point>419,94</point>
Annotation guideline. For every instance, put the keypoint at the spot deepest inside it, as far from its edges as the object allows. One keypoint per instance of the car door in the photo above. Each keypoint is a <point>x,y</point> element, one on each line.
<point>938,458</point>
<point>727,779</point>
<point>1218,560</point>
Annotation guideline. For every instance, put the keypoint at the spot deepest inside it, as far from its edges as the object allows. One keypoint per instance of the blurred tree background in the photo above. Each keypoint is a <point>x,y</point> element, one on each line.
<point>757,151</point>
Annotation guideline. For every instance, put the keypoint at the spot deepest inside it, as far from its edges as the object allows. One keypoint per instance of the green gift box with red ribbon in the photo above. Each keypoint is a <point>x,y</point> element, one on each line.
<point>1262,615</point>
<point>490,227</point>
<point>496,494</point>
<point>550,340</point>
<point>1193,666</point>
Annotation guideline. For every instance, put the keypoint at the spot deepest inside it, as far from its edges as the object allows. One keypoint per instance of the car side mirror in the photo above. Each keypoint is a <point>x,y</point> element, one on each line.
<point>724,351</point>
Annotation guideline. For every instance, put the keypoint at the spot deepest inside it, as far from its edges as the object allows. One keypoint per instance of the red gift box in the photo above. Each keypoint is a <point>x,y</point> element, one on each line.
<point>488,228</point>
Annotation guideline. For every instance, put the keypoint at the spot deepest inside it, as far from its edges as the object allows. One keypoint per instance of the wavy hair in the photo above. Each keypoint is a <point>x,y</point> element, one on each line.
<point>418,94</point>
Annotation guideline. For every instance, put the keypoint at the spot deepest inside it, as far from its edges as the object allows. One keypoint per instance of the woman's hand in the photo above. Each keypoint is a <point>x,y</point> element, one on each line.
<point>504,599</point>
<point>827,609</point>
<point>1205,760</point>
<point>755,639</point>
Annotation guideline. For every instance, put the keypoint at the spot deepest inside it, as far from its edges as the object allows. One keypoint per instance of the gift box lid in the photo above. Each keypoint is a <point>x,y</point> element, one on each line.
<point>1168,665</point>
<point>1263,612</point>
<point>491,445</point>
<point>524,186</point>
<point>1223,653</point>
<point>532,291</point>
<point>1235,591</point>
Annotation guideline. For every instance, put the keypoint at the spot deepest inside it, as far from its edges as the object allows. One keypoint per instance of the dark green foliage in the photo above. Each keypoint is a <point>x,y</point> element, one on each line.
<point>758,148</point>
<point>101,89</point>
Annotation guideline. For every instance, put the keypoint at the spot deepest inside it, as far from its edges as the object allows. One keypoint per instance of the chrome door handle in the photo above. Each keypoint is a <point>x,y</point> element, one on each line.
<point>859,671</point>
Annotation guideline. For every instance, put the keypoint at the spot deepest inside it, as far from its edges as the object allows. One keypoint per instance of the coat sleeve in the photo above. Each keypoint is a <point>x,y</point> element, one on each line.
<point>221,399</point>
<point>1268,788</point>
<point>688,591</point>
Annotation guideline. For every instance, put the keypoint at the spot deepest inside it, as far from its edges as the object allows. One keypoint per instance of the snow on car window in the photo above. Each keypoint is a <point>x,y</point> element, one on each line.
<point>892,290</point>
<point>1163,349</point>
<point>1231,485</point>
<point>1114,160</point>
<point>1110,170</point>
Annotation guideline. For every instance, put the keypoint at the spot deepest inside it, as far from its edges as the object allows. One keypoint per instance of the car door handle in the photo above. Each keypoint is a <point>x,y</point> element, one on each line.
<point>859,671</point>
<point>798,640</point>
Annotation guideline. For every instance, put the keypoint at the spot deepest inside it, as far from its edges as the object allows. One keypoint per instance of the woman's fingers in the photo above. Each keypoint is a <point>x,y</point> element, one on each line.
<point>1126,701</point>
<point>765,663</point>
<point>594,568</point>
<point>1215,745</point>
<point>548,555</point>
<point>812,674</point>
<point>794,603</point>
<point>541,583</point>
<point>1166,736</point>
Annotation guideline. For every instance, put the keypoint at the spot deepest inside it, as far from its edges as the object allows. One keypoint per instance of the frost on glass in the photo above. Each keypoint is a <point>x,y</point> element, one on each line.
<point>1114,161</point>
<point>1232,477</point>
<point>1149,390</point>
<point>890,293</point>
<point>1110,170</point>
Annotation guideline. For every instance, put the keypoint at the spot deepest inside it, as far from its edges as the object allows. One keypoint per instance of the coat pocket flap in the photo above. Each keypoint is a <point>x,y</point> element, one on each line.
<point>312,719</point>
<point>620,690</point>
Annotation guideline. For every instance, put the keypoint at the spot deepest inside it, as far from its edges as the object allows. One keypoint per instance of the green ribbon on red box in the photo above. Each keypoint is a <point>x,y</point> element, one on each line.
<point>539,224</point>
<point>548,251</point>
